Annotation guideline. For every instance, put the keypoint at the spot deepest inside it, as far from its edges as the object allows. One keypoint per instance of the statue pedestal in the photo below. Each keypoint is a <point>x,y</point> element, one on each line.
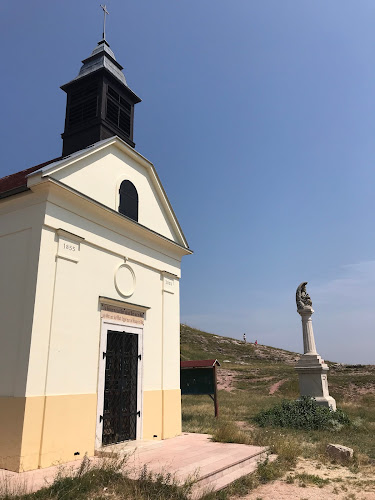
<point>312,374</point>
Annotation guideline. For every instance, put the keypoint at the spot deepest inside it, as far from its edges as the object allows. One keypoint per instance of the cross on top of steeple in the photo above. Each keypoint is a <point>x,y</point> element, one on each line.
<point>105,12</point>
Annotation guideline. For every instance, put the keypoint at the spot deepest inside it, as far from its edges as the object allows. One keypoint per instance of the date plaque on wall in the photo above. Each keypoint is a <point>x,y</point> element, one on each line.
<point>69,245</point>
<point>168,283</point>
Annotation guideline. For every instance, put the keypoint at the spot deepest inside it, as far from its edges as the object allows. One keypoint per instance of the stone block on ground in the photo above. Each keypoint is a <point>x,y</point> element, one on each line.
<point>339,452</point>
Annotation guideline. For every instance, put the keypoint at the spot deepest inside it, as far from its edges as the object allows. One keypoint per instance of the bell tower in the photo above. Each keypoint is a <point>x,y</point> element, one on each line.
<point>99,102</point>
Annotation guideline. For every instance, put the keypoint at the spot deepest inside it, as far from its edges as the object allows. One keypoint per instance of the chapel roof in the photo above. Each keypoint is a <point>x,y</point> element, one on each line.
<point>17,182</point>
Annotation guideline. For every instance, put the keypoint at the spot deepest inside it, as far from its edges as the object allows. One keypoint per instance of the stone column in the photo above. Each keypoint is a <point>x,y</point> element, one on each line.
<point>307,329</point>
<point>311,368</point>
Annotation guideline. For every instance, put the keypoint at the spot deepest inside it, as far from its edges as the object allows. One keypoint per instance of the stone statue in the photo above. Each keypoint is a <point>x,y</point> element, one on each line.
<point>302,297</point>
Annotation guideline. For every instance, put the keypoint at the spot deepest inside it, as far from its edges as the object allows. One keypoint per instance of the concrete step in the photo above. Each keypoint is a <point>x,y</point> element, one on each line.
<point>126,448</point>
<point>214,465</point>
<point>220,478</point>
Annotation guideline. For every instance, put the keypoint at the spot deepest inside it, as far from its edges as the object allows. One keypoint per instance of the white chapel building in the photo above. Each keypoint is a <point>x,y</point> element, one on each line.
<point>90,258</point>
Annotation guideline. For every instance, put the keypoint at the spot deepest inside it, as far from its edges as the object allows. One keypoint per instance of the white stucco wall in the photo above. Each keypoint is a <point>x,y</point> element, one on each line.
<point>20,232</point>
<point>66,330</point>
<point>171,324</point>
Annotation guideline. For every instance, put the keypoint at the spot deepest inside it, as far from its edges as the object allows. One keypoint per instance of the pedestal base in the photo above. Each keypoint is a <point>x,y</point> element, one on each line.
<point>328,401</point>
<point>312,373</point>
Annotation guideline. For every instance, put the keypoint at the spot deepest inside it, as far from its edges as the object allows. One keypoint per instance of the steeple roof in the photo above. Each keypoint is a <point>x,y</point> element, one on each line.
<point>101,57</point>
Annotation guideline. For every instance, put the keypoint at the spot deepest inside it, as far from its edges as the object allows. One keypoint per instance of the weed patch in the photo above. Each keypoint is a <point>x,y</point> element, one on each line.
<point>228,432</point>
<point>108,480</point>
<point>286,447</point>
<point>311,479</point>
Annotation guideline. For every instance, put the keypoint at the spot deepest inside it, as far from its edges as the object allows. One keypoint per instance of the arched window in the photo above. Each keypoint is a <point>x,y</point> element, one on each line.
<point>128,200</point>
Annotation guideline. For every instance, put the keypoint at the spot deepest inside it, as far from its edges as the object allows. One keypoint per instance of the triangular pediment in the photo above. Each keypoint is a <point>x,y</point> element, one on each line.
<point>98,171</point>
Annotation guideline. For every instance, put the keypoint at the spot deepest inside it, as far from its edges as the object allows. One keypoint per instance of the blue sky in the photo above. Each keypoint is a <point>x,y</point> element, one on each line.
<point>259,117</point>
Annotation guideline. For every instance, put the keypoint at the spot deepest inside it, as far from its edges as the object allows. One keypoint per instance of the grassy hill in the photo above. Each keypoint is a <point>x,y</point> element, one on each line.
<point>196,344</point>
<point>252,378</point>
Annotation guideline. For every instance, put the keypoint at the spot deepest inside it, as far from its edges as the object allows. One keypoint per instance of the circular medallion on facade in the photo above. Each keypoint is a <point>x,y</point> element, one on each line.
<point>125,280</point>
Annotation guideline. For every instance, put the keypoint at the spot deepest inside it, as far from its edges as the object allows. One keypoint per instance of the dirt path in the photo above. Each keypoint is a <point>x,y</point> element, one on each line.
<point>342,484</point>
<point>282,491</point>
<point>225,380</point>
<point>275,387</point>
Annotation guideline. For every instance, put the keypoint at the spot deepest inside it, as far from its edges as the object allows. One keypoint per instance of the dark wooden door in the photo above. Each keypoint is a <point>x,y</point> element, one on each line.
<point>120,390</point>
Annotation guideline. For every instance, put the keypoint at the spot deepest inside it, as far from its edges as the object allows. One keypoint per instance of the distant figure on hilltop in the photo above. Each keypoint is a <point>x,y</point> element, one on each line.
<point>256,342</point>
<point>244,337</point>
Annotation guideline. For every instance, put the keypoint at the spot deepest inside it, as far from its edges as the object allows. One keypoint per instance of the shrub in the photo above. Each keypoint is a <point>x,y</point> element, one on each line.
<point>304,413</point>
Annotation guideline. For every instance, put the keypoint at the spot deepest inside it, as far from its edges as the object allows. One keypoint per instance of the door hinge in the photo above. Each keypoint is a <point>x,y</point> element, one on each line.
<point>139,357</point>
<point>104,355</point>
<point>100,419</point>
<point>138,413</point>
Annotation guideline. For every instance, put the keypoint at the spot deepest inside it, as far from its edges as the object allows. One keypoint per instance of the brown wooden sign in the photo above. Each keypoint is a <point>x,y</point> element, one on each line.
<point>199,377</point>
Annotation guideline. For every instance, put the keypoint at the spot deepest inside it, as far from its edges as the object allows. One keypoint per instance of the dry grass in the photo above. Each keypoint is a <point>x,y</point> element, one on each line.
<point>229,432</point>
<point>350,387</point>
<point>105,479</point>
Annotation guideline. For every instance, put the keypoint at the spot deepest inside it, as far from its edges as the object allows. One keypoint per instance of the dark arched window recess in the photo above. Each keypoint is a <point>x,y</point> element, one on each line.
<point>128,200</point>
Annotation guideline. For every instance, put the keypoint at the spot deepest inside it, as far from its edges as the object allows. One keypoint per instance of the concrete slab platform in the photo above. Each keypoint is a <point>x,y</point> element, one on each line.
<point>213,465</point>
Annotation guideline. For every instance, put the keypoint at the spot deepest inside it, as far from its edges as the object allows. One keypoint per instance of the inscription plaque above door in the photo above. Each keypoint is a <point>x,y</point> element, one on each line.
<point>123,314</point>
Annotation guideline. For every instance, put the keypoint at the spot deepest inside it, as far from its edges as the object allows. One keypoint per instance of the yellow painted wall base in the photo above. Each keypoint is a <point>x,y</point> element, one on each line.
<point>11,424</point>
<point>69,428</point>
<point>32,433</point>
<point>171,413</point>
<point>161,414</point>
<point>38,432</point>
<point>43,431</point>
<point>152,414</point>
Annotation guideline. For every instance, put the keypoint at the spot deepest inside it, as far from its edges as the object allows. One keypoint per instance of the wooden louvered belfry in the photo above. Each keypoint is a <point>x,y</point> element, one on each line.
<point>99,102</point>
